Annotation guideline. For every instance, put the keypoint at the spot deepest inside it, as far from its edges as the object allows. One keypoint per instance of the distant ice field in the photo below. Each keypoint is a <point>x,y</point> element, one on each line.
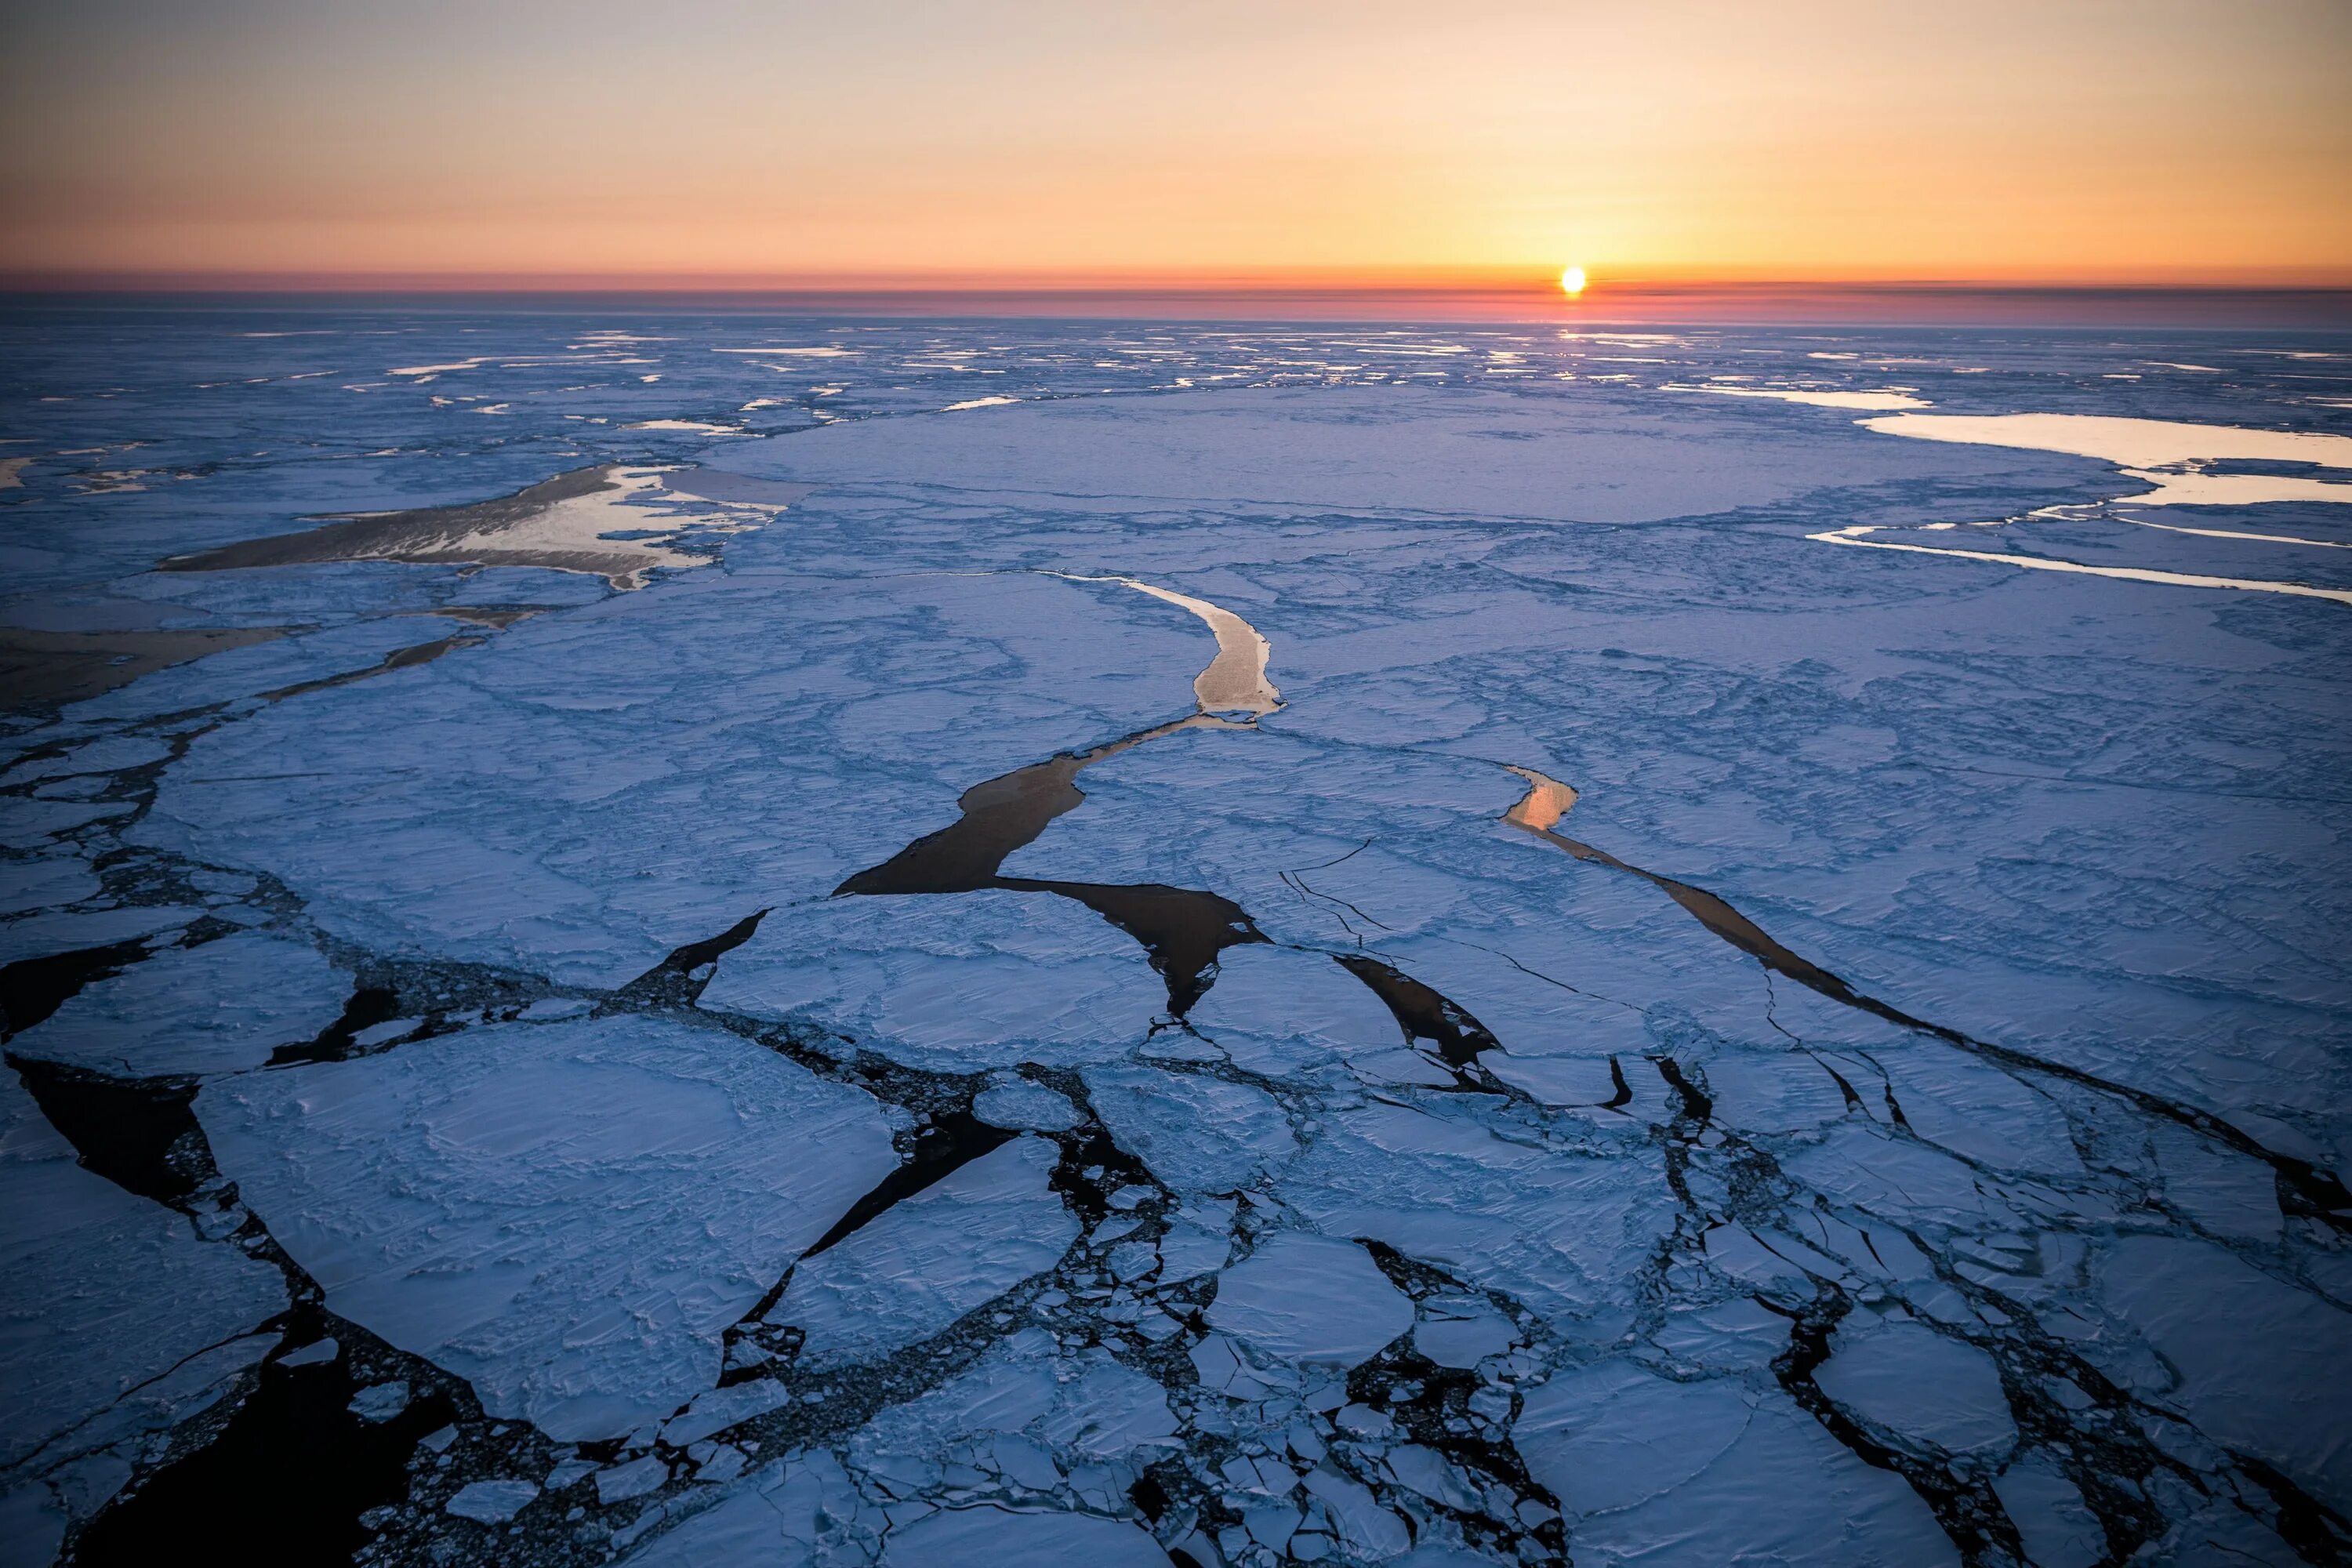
<point>837,941</point>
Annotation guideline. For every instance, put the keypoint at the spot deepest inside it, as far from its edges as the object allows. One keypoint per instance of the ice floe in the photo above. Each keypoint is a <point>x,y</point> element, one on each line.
<point>122,1321</point>
<point>565,1214</point>
<point>1311,1299</point>
<point>218,1007</point>
<point>925,1262</point>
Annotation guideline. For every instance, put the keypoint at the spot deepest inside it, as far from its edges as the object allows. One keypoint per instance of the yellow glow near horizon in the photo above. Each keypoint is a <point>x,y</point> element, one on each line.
<point>1571,281</point>
<point>1218,140</point>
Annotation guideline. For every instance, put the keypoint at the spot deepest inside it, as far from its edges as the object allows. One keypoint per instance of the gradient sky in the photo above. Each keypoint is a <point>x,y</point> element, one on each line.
<point>2055,140</point>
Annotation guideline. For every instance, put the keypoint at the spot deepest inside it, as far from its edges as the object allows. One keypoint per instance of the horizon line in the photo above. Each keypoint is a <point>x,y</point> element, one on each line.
<point>1512,297</point>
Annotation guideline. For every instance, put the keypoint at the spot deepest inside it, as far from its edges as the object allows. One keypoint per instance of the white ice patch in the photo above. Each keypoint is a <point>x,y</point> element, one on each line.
<point>1019,1105</point>
<point>953,983</point>
<point>1816,399</point>
<point>1442,452</point>
<point>1310,1299</point>
<point>1084,1408</point>
<point>566,1214</point>
<point>223,1006</point>
<point>2126,443</point>
<point>930,1258</point>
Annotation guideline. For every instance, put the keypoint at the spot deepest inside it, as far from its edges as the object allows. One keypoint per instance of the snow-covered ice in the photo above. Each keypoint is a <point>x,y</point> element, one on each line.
<point>961,1242</point>
<point>219,1007</point>
<point>1351,943</point>
<point>565,1214</point>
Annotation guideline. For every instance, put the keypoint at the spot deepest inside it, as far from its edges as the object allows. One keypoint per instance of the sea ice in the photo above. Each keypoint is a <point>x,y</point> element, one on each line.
<point>1309,1298</point>
<point>1021,1106</point>
<point>1919,1384</point>
<point>1196,1133</point>
<point>927,1260</point>
<point>1657,1472</point>
<point>566,1214</point>
<point>1009,1540</point>
<point>118,1321</point>
<point>957,983</point>
<point>219,1007</point>
<point>2215,1321</point>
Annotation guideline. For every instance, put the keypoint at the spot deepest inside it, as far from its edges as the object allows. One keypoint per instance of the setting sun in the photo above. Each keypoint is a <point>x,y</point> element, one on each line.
<point>1571,281</point>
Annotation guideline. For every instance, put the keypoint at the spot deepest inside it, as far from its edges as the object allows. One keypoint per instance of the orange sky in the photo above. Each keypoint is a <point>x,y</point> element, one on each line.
<point>2060,140</point>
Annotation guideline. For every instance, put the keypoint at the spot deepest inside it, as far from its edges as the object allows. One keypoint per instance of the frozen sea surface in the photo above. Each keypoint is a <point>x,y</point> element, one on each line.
<point>715,939</point>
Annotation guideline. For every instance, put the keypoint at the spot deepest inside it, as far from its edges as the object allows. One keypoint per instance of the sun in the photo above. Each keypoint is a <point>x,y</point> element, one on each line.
<point>1571,281</point>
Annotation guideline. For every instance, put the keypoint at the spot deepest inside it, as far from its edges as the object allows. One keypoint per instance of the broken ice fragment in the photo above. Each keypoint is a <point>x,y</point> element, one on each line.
<point>633,1480</point>
<point>379,1402</point>
<point>492,1503</point>
<point>920,1265</point>
<point>1198,1134</point>
<point>221,1007</point>
<point>568,1214</point>
<point>723,1407</point>
<point>1309,1298</point>
<point>1021,1106</point>
<point>1920,1385</point>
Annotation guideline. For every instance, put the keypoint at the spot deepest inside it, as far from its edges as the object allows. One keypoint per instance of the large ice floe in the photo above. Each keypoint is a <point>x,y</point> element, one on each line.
<point>568,1214</point>
<point>1215,946</point>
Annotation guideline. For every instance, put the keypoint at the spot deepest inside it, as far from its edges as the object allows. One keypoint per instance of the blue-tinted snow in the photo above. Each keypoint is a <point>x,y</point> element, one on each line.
<point>1311,1299</point>
<point>2092,822</point>
<point>220,1006</point>
<point>966,1239</point>
<point>567,1215</point>
<point>121,1321</point>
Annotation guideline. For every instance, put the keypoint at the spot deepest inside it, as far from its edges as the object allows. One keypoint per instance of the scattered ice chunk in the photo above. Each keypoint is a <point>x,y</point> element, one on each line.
<point>1368,1530</point>
<point>566,1214</point>
<point>1310,1299</point>
<point>221,1007</point>
<point>547,1009</point>
<point>1022,1106</point>
<point>1189,1251</point>
<point>312,1354</point>
<point>919,1266</point>
<point>1921,1385</point>
<point>635,1479</point>
<point>1198,1134</point>
<point>1460,1331</point>
<point>492,1503</point>
<point>379,1402</point>
<point>568,1472</point>
<point>1561,1231</point>
<point>723,1407</point>
<point>41,936</point>
<point>390,1029</point>
<point>43,884</point>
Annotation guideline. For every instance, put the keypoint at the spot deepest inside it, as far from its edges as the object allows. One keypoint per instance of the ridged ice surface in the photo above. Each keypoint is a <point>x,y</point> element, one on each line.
<point>1131,942</point>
